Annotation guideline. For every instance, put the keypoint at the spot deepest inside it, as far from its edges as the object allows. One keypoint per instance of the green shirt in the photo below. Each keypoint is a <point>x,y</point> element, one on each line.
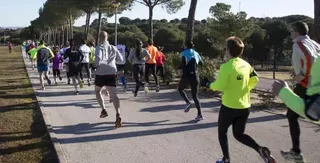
<point>33,53</point>
<point>92,55</point>
<point>235,80</point>
<point>293,101</point>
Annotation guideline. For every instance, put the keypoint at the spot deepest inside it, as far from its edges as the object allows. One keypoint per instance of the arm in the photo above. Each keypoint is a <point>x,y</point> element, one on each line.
<point>296,60</point>
<point>119,57</point>
<point>293,101</point>
<point>183,62</point>
<point>254,79</point>
<point>51,53</point>
<point>221,83</point>
<point>130,57</point>
<point>148,56</point>
<point>81,55</point>
<point>98,54</point>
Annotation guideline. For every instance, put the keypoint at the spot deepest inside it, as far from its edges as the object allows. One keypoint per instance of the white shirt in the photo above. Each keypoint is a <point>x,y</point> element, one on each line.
<point>122,50</point>
<point>86,52</point>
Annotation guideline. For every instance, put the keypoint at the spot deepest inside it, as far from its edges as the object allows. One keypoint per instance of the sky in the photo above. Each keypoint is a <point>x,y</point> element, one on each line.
<point>19,13</point>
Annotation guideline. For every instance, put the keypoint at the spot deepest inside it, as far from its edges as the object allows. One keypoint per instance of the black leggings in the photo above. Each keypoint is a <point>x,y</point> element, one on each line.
<point>153,72</point>
<point>293,120</point>
<point>161,70</point>
<point>238,119</point>
<point>87,68</point>
<point>193,80</point>
<point>138,73</point>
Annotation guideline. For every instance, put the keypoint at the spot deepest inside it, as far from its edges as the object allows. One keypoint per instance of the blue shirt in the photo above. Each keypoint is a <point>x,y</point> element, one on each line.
<point>190,61</point>
<point>189,54</point>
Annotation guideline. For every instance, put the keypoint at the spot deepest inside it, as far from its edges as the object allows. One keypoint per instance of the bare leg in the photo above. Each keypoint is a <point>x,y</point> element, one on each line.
<point>115,98</point>
<point>41,80</point>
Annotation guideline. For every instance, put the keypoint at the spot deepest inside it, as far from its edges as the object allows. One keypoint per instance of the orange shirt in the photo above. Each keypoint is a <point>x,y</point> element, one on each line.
<point>154,53</point>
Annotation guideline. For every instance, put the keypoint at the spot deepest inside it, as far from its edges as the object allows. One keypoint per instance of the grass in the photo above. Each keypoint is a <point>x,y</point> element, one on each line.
<point>23,134</point>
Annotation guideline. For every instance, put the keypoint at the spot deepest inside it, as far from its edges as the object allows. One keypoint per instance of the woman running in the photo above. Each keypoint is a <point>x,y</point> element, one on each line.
<point>190,61</point>
<point>160,63</point>
<point>57,65</point>
<point>74,65</point>
<point>138,57</point>
<point>235,80</point>
<point>33,57</point>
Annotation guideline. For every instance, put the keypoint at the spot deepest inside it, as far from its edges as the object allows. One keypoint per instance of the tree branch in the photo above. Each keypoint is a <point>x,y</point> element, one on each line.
<point>159,2</point>
<point>143,3</point>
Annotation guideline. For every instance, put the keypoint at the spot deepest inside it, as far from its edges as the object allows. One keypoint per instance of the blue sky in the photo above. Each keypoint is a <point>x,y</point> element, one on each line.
<point>19,13</point>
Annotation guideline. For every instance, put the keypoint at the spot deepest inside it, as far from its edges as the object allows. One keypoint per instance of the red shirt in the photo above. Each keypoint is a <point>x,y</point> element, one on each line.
<point>160,59</point>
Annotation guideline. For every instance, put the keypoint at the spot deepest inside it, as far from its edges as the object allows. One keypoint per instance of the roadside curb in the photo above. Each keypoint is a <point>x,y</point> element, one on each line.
<point>57,146</point>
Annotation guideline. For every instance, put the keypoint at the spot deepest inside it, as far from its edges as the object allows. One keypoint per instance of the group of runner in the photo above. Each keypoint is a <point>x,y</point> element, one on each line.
<point>235,80</point>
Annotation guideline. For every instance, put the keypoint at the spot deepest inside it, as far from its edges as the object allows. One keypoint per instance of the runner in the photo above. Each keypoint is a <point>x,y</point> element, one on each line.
<point>74,64</point>
<point>305,51</point>
<point>106,75</point>
<point>85,50</point>
<point>10,46</point>
<point>151,64</point>
<point>33,57</point>
<point>57,65</point>
<point>44,55</point>
<point>121,66</point>
<point>66,61</point>
<point>92,56</point>
<point>160,64</point>
<point>235,80</point>
<point>138,58</point>
<point>190,61</point>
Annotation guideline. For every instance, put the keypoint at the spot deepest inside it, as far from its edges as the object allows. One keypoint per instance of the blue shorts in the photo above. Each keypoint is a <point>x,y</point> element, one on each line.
<point>43,68</point>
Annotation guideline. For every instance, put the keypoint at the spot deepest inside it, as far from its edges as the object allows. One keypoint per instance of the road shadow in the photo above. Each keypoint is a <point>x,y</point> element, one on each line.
<point>24,106</point>
<point>186,126</point>
<point>85,104</point>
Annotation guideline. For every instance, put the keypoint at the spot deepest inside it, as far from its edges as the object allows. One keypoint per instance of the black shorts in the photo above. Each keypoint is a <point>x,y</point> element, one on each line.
<point>106,80</point>
<point>56,72</point>
<point>120,67</point>
<point>74,69</point>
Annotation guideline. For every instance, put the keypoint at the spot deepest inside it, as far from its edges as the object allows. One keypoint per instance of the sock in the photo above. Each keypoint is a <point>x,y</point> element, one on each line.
<point>123,81</point>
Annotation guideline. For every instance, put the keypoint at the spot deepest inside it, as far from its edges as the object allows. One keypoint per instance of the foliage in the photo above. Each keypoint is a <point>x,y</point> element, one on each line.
<point>171,39</point>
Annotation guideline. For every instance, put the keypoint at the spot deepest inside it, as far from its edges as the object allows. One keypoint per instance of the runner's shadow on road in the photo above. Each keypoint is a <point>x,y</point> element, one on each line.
<point>164,108</point>
<point>162,131</point>
<point>84,105</point>
<point>63,93</point>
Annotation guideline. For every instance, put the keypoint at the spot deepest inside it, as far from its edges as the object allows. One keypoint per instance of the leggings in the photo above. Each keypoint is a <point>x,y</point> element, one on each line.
<point>138,73</point>
<point>193,80</point>
<point>238,119</point>
<point>161,70</point>
<point>153,72</point>
<point>293,120</point>
<point>87,68</point>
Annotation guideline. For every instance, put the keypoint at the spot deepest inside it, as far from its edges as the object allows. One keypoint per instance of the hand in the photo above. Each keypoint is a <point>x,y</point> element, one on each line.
<point>277,86</point>
<point>299,78</point>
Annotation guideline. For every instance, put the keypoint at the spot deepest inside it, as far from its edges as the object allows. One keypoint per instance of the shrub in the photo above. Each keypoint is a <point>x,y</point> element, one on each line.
<point>209,68</point>
<point>171,66</point>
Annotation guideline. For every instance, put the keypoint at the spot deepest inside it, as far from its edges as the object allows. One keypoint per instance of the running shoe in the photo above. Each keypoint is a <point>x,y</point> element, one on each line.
<point>76,92</point>
<point>81,85</point>
<point>60,78</point>
<point>266,155</point>
<point>146,90</point>
<point>68,82</point>
<point>89,84</point>
<point>49,81</point>
<point>125,88</point>
<point>118,122</point>
<point>199,118</point>
<point>103,114</point>
<point>187,108</point>
<point>158,89</point>
<point>222,161</point>
<point>293,156</point>
<point>110,101</point>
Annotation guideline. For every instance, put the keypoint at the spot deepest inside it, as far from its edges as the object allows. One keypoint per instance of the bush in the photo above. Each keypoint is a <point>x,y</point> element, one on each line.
<point>208,69</point>
<point>171,66</point>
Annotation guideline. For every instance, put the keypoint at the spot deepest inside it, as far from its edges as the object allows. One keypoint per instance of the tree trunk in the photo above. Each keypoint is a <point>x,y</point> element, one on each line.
<point>88,28</point>
<point>317,20</point>
<point>99,26</point>
<point>71,26</point>
<point>274,63</point>
<point>191,18</point>
<point>67,33</point>
<point>151,23</point>
<point>62,37</point>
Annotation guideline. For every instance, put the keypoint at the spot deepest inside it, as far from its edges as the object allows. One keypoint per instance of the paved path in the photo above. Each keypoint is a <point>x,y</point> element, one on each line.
<point>156,130</point>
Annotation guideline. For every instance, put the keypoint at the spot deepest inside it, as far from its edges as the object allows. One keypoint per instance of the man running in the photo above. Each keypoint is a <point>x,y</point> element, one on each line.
<point>106,75</point>
<point>305,51</point>
<point>189,65</point>
<point>236,79</point>
<point>153,51</point>
<point>85,50</point>
<point>92,56</point>
<point>74,65</point>
<point>121,66</point>
<point>44,55</point>
<point>66,61</point>
<point>33,57</point>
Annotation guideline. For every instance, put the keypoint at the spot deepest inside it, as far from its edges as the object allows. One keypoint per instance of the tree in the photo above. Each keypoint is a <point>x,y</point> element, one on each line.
<point>191,19</point>
<point>170,38</point>
<point>95,23</point>
<point>125,21</point>
<point>172,6</point>
<point>164,21</point>
<point>317,20</point>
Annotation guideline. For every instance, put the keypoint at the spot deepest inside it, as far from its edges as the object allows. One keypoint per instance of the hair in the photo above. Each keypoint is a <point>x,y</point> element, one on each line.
<point>235,46</point>
<point>138,48</point>
<point>91,43</point>
<point>150,42</point>
<point>103,36</point>
<point>83,41</point>
<point>189,44</point>
<point>41,42</point>
<point>300,27</point>
<point>160,48</point>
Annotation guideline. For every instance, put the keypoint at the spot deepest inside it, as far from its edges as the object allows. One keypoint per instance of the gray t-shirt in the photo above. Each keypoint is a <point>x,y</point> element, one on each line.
<point>106,57</point>
<point>145,57</point>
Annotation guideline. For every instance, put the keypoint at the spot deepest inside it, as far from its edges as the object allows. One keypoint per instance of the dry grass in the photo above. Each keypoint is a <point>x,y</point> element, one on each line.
<point>23,135</point>
<point>279,75</point>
